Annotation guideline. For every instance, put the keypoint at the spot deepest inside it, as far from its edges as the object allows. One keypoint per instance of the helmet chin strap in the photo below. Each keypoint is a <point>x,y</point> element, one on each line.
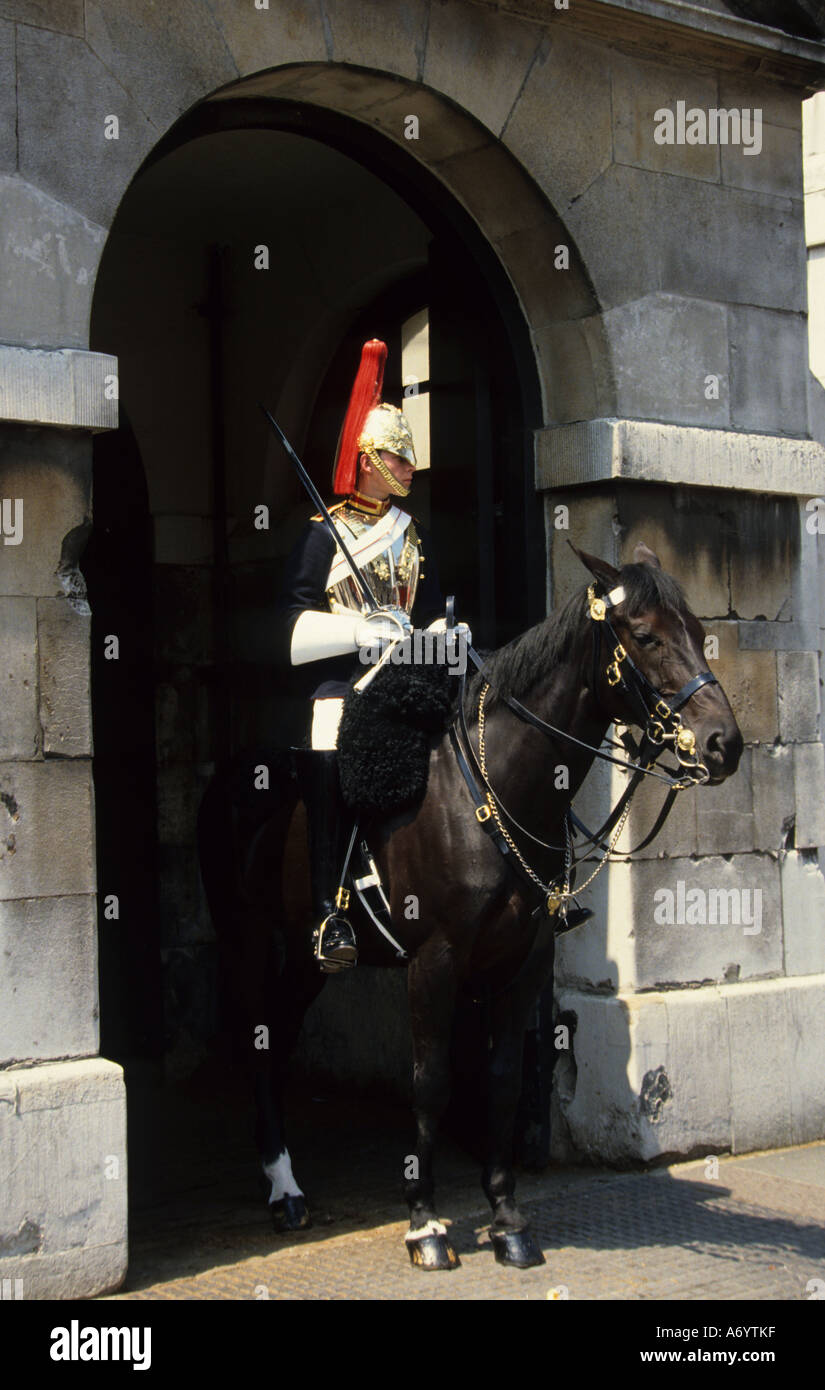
<point>381,468</point>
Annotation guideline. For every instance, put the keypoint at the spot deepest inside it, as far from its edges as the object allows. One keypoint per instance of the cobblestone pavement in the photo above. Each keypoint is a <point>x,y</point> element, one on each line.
<point>757,1231</point>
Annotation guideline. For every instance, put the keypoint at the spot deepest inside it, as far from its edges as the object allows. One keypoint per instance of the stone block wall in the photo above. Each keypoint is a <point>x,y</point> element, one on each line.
<point>62,1225</point>
<point>701,1009</point>
<point>686,263</point>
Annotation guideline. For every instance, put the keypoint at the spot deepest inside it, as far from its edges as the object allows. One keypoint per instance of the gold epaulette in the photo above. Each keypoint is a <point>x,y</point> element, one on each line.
<point>333,508</point>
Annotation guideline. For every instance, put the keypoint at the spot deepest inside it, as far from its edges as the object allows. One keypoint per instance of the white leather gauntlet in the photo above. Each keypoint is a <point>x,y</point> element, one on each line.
<point>317,635</point>
<point>460,629</point>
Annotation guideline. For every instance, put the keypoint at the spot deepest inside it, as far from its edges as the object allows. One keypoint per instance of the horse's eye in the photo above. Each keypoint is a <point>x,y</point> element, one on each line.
<point>645,639</point>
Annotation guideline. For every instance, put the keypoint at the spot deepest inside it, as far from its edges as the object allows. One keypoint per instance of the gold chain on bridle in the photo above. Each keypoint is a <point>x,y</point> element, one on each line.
<point>556,897</point>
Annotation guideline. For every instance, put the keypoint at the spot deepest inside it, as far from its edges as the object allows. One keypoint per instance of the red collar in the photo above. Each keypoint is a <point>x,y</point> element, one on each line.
<point>371,506</point>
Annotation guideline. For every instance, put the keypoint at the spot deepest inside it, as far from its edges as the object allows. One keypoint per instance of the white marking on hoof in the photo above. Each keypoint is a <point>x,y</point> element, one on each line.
<point>280,1175</point>
<point>432,1228</point>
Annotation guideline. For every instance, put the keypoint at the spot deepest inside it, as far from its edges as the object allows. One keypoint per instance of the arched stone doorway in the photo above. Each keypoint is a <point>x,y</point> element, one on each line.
<point>262,241</point>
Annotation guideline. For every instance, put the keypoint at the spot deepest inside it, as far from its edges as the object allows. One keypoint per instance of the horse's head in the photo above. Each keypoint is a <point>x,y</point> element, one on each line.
<point>645,610</point>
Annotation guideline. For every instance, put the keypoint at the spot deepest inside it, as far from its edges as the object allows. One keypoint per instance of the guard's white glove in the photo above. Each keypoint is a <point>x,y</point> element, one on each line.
<point>440,625</point>
<point>383,626</point>
<point>317,635</point>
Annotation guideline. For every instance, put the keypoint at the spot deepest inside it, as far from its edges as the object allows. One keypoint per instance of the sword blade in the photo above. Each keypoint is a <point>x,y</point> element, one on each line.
<point>363,587</point>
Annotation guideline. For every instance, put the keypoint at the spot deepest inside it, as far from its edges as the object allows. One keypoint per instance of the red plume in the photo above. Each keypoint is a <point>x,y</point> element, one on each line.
<point>366,393</point>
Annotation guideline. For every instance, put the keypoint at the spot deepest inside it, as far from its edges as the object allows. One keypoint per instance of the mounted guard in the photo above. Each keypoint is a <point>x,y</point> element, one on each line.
<point>351,584</point>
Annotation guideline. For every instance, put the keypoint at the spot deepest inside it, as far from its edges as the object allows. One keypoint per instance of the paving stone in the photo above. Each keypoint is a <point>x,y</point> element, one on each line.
<point>19,728</point>
<point>48,986</point>
<point>479,59</point>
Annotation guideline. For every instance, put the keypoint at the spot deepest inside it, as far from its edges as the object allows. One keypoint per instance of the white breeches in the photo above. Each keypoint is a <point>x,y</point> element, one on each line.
<point>326,716</point>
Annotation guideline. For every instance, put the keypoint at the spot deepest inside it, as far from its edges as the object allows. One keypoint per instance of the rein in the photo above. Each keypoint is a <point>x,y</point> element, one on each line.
<point>661,724</point>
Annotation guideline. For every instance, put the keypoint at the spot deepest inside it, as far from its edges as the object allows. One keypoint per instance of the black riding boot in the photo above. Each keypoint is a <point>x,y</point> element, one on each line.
<point>329,828</point>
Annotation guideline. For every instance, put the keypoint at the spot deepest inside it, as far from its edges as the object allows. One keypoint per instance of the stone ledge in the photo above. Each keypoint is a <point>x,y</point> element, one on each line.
<point>727,1068</point>
<point>63,1175</point>
<point>63,386</point>
<point>595,451</point>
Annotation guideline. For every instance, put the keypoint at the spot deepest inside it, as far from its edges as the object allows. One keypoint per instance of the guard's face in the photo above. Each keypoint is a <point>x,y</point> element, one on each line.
<point>378,487</point>
<point>402,470</point>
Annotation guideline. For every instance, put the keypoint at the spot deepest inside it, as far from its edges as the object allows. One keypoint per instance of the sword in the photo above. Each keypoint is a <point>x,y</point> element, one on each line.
<point>363,587</point>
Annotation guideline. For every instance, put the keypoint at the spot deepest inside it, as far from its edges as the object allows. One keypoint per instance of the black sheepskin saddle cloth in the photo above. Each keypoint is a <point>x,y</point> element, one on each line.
<point>387,732</point>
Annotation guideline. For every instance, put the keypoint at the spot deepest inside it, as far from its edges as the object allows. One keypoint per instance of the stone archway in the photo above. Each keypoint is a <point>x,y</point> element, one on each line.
<point>179,428</point>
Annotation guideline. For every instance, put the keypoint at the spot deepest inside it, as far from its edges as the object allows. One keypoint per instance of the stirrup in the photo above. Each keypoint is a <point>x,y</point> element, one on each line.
<point>334,943</point>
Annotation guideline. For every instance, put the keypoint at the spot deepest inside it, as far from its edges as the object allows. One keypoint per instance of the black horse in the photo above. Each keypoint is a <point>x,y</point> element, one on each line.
<point>582,668</point>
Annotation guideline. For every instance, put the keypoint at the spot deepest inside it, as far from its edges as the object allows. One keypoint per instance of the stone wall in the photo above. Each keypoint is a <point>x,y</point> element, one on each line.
<point>62,1119</point>
<point>683,308</point>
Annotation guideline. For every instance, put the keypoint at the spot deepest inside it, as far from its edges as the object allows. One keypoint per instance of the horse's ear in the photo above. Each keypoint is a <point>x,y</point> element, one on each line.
<point>600,569</point>
<point>642,555</point>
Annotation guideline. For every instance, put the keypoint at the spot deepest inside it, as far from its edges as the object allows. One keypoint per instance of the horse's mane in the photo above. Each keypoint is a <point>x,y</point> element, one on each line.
<point>519,666</point>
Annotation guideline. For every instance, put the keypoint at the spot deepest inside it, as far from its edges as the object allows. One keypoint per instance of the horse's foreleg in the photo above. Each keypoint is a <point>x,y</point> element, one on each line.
<point>512,1240</point>
<point>432,991</point>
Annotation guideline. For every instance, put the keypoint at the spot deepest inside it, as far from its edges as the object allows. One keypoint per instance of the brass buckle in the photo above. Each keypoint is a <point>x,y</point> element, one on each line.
<point>686,741</point>
<point>483,813</point>
<point>342,899</point>
<point>598,607</point>
<point>663,710</point>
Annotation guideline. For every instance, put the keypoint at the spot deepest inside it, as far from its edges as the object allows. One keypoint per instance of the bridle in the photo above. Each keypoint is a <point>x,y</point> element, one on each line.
<point>661,717</point>
<point>661,722</point>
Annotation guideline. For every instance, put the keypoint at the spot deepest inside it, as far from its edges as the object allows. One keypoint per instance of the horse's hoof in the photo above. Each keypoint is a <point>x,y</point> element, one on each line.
<point>432,1252</point>
<point>290,1214</point>
<point>517,1248</point>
